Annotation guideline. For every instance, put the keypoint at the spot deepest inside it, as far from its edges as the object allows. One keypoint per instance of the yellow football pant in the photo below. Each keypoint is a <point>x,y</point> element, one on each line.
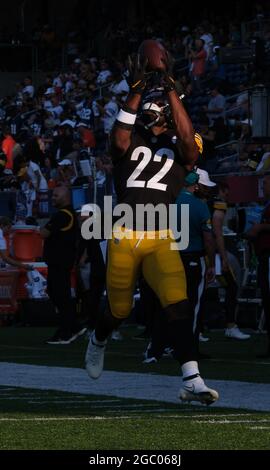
<point>161,267</point>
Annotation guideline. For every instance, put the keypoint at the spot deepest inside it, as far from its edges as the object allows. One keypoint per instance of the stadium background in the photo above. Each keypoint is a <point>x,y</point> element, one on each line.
<point>35,401</point>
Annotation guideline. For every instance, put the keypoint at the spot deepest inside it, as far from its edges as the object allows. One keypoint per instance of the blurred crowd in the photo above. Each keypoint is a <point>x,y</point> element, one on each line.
<point>58,131</point>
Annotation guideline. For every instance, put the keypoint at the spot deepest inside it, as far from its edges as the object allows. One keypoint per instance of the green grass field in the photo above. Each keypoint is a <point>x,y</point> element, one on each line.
<point>50,419</point>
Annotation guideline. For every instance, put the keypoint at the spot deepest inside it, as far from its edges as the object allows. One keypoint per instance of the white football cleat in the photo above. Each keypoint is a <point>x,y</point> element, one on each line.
<point>150,360</point>
<point>196,390</point>
<point>235,333</point>
<point>94,358</point>
<point>203,339</point>
<point>116,336</point>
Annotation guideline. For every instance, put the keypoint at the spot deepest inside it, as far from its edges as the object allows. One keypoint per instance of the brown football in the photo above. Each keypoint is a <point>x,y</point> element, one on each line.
<point>154,52</point>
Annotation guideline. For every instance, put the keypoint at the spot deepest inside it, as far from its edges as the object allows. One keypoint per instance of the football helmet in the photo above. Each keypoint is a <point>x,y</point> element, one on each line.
<point>155,107</point>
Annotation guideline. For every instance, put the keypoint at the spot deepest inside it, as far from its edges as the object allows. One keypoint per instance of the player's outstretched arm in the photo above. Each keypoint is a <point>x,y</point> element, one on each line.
<point>182,123</point>
<point>121,133</point>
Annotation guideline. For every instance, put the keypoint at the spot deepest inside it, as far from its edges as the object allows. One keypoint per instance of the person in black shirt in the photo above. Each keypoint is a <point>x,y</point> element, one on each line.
<point>60,243</point>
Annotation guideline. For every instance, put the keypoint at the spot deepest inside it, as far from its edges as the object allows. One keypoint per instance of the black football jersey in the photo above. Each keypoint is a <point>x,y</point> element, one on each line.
<point>151,171</point>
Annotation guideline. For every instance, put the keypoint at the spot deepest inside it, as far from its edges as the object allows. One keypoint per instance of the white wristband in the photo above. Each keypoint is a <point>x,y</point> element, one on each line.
<point>126,118</point>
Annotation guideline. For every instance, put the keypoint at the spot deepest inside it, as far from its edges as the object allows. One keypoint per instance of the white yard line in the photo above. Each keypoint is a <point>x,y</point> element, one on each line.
<point>233,394</point>
<point>66,418</point>
<point>104,418</point>
<point>256,428</point>
<point>231,421</point>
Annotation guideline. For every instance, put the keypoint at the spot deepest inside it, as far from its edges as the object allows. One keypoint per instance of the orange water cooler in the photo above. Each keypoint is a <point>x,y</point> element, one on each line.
<point>27,243</point>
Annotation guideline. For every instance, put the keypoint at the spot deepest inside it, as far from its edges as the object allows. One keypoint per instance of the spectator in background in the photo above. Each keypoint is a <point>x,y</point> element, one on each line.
<point>8,144</point>
<point>216,105</point>
<point>21,202</point>
<point>49,169</point>
<point>242,100</point>
<point>58,82</point>
<point>101,171</point>
<point>207,37</point>
<point>66,173</point>
<point>34,150</point>
<point>88,111</point>
<point>198,57</point>
<point>87,71</point>
<point>239,108</point>
<point>63,143</point>
<point>20,170</point>
<point>28,87</point>
<point>47,99</point>
<point>38,185</point>
<point>37,179</point>
<point>87,136</point>
<point>119,86</point>
<point>104,75</point>
<point>217,70</point>
<point>110,112</point>
<point>56,109</point>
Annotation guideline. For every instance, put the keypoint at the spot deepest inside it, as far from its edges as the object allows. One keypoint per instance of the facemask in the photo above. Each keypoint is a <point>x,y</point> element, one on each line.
<point>150,120</point>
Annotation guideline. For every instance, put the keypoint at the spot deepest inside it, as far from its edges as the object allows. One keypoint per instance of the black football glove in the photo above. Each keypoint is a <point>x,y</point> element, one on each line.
<point>138,76</point>
<point>167,75</point>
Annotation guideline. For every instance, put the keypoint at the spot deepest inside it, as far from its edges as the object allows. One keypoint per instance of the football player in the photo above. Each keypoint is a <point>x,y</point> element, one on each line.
<point>150,162</point>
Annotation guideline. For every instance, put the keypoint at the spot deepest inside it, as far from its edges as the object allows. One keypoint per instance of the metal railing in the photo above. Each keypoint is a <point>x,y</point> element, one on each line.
<point>234,156</point>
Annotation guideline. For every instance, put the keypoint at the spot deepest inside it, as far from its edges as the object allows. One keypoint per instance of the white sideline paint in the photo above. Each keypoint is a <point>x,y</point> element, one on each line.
<point>162,388</point>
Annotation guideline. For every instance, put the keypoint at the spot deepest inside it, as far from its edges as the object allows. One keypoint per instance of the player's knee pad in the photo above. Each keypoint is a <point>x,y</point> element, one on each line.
<point>179,311</point>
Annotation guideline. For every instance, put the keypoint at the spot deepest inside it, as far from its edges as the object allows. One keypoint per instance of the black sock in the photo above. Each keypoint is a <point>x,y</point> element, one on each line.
<point>106,323</point>
<point>182,340</point>
<point>180,331</point>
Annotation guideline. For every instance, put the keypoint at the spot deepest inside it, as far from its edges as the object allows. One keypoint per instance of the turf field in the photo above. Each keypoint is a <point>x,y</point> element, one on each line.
<point>58,407</point>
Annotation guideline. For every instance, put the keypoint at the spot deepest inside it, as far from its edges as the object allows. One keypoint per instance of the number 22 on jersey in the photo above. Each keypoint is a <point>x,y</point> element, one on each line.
<point>154,182</point>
